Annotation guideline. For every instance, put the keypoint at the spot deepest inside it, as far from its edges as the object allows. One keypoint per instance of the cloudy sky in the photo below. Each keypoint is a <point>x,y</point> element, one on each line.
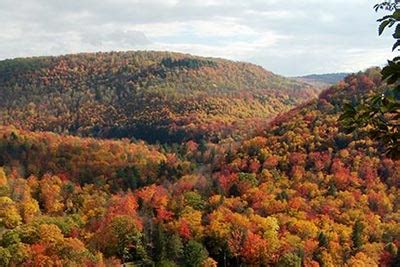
<point>291,37</point>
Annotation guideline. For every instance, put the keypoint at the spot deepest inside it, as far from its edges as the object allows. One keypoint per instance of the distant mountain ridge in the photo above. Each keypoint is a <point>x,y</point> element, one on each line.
<point>322,80</point>
<point>155,96</point>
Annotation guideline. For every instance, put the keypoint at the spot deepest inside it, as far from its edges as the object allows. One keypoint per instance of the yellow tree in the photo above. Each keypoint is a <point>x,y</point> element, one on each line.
<point>9,215</point>
<point>50,193</point>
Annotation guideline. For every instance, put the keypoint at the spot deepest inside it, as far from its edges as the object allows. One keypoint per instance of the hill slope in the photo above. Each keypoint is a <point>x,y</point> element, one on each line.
<point>301,193</point>
<point>156,96</point>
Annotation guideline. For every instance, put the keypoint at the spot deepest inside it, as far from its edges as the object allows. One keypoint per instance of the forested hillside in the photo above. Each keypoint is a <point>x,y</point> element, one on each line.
<point>303,192</point>
<point>155,96</point>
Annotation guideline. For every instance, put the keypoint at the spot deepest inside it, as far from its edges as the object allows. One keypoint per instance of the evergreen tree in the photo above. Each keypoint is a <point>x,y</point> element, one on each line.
<point>175,247</point>
<point>323,240</point>
<point>356,235</point>
<point>159,243</point>
<point>194,254</point>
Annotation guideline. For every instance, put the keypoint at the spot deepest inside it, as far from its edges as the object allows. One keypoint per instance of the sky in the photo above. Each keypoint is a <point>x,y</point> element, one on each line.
<point>292,37</point>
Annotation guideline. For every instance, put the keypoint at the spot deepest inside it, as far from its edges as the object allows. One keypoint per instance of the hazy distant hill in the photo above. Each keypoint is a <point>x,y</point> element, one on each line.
<point>322,80</point>
<point>156,96</point>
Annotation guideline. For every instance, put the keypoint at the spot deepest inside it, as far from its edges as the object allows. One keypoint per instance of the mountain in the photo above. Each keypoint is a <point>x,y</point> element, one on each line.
<point>322,80</point>
<point>302,192</point>
<point>154,96</point>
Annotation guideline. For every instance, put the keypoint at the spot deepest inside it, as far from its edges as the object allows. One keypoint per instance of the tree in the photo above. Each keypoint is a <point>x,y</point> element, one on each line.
<point>381,111</point>
<point>29,209</point>
<point>10,238</point>
<point>3,183</point>
<point>5,256</point>
<point>159,243</point>
<point>50,234</point>
<point>255,250</point>
<point>323,240</point>
<point>323,244</point>
<point>289,260</point>
<point>9,215</point>
<point>50,193</point>
<point>121,238</point>
<point>130,177</point>
<point>356,235</point>
<point>175,247</point>
<point>194,254</point>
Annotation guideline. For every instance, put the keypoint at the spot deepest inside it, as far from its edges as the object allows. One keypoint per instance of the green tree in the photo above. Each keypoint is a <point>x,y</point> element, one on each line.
<point>175,247</point>
<point>323,244</point>
<point>121,238</point>
<point>194,254</point>
<point>194,200</point>
<point>5,256</point>
<point>166,263</point>
<point>289,260</point>
<point>10,238</point>
<point>323,240</point>
<point>130,177</point>
<point>356,235</point>
<point>159,243</point>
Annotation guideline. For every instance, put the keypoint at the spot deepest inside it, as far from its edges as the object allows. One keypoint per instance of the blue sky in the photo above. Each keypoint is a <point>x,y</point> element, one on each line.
<point>287,37</point>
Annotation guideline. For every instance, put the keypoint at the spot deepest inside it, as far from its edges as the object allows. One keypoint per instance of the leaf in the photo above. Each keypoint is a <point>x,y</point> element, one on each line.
<point>397,44</point>
<point>396,34</point>
<point>384,18</point>
<point>382,26</point>
<point>396,15</point>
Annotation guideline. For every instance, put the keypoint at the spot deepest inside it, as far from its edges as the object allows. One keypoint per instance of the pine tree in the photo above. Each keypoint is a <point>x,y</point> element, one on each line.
<point>356,235</point>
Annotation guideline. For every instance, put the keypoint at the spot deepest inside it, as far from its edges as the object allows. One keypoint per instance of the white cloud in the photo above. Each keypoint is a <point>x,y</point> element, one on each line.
<point>233,50</point>
<point>222,27</point>
<point>291,37</point>
<point>157,30</point>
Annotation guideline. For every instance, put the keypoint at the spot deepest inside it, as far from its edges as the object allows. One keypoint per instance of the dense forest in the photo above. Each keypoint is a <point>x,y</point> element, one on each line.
<point>154,96</point>
<point>299,191</point>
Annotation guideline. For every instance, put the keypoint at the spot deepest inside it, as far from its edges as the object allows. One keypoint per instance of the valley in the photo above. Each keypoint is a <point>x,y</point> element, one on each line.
<point>166,159</point>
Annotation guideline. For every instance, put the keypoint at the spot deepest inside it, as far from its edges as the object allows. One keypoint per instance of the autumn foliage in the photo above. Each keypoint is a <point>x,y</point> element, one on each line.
<point>299,193</point>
